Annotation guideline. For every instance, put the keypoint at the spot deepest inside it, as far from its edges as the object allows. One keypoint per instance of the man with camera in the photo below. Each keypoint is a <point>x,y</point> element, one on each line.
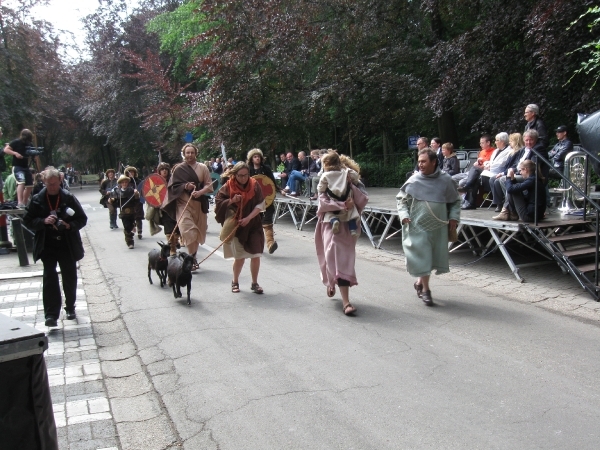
<point>56,218</point>
<point>20,151</point>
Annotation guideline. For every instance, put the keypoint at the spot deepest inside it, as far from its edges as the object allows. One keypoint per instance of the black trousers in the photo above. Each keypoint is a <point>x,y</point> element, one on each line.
<point>128,221</point>
<point>57,252</point>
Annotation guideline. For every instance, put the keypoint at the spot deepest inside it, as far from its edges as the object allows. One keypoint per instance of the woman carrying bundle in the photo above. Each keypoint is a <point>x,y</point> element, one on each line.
<point>241,198</point>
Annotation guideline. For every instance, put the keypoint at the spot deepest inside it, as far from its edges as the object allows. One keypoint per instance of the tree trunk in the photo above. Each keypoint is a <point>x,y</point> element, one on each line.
<point>447,128</point>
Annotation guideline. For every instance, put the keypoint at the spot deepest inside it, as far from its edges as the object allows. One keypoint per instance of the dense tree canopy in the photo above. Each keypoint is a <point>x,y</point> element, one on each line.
<point>358,75</point>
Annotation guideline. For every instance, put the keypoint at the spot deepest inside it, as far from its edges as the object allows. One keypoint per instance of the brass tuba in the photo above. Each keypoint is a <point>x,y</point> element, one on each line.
<point>575,172</point>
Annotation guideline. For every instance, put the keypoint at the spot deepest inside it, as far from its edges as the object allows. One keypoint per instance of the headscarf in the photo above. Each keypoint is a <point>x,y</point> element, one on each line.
<point>435,187</point>
<point>246,192</point>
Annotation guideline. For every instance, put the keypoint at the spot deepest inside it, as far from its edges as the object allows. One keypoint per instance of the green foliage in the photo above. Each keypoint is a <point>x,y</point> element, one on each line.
<point>591,66</point>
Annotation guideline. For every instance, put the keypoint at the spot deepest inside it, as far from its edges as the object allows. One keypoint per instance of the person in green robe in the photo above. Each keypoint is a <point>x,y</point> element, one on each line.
<point>428,207</point>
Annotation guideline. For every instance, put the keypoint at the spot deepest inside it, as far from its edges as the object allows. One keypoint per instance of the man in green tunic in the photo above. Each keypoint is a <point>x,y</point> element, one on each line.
<point>428,206</point>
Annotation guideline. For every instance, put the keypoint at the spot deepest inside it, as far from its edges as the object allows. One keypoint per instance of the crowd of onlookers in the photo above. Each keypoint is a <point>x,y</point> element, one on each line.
<point>509,172</point>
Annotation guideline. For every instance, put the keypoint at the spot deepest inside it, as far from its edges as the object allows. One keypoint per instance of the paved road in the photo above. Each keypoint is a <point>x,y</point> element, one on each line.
<point>288,370</point>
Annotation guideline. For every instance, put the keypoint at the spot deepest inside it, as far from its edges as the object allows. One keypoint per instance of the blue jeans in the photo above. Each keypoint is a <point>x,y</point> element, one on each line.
<point>294,176</point>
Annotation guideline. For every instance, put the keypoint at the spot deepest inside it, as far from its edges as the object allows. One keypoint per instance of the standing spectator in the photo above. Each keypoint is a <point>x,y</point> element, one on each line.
<point>217,166</point>
<point>559,152</point>
<point>56,217</point>
<point>186,201</point>
<point>106,188</point>
<point>242,195</point>
<point>20,162</point>
<point>257,166</point>
<point>534,122</point>
<point>429,207</point>
<point>9,189</point>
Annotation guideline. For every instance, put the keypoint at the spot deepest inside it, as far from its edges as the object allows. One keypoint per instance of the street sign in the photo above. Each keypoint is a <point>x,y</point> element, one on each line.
<point>189,137</point>
<point>412,142</point>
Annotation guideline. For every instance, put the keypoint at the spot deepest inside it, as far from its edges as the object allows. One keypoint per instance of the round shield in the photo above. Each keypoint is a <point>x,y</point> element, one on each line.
<point>154,190</point>
<point>267,187</point>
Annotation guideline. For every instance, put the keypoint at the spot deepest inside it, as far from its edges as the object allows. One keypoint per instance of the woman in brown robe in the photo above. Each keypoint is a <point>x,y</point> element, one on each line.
<point>242,192</point>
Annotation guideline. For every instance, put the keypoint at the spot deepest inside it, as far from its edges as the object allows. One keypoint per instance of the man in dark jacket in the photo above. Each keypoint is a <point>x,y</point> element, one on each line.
<point>290,164</point>
<point>534,122</point>
<point>559,152</point>
<point>56,217</point>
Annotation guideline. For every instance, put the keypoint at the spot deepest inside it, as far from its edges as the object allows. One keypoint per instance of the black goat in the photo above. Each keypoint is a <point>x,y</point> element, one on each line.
<point>158,261</point>
<point>179,272</point>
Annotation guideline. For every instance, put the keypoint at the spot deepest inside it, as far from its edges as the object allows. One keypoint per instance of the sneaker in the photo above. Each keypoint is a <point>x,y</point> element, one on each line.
<point>294,194</point>
<point>71,314</point>
<point>130,246</point>
<point>51,322</point>
<point>21,206</point>
<point>354,232</point>
<point>335,227</point>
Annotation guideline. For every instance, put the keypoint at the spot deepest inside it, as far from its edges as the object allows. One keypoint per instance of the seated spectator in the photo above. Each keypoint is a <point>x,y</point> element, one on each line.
<point>450,164</point>
<point>526,153</point>
<point>422,142</point>
<point>315,171</point>
<point>516,143</point>
<point>521,200</point>
<point>468,182</point>
<point>559,152</point>
<point>291,164</point>
<point>436,146</point>
<point>296,177</point>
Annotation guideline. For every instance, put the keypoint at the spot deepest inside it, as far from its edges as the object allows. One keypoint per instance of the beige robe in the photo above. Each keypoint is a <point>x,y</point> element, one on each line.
<point>194,222</point>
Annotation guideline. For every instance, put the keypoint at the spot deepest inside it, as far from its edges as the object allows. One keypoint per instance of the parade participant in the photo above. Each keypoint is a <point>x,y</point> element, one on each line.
<point>336,252</point>
<point>429,207</point>
<point>243,195</point>
<point>136,182</point>
<point>168,223</point>
<point>335,183</point>
<point>20,162</point>
<point>56,217</point>
<point>124,196</point>
<point>186,201</point>
<point>105,189</point>
<point>257,166</point>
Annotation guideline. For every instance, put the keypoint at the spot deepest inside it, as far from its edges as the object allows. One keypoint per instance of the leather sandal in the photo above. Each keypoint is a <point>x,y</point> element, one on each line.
<point>349,309</point>
<point>235,287</point>
<point>426,297</point>
<point>419,289</point>
<point>330,291</point>
<point>256,288</point>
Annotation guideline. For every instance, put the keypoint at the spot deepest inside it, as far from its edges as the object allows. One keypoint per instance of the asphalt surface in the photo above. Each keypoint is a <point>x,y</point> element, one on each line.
<point>487,367</point>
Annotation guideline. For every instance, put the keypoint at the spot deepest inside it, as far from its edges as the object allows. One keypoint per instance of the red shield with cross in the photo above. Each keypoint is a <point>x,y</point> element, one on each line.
<point>154,190</point>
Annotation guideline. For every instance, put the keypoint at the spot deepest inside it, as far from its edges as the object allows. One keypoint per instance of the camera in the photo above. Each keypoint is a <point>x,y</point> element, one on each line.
<point>34,151</point>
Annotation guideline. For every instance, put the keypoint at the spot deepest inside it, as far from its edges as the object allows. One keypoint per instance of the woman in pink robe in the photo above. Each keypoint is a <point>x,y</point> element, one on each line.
<point>337,252</point>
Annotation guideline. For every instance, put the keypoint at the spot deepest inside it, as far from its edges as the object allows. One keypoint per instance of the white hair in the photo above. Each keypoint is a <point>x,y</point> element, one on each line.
<point>503,136</point>
<point>533,108</point>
